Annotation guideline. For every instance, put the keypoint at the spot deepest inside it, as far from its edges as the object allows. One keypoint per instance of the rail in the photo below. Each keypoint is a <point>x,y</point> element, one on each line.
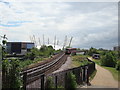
<point>32,74</point>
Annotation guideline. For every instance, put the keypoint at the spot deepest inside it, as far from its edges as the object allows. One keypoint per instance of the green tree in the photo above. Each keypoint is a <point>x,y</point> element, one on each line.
<point>11,77</point>
<point>92,51</point>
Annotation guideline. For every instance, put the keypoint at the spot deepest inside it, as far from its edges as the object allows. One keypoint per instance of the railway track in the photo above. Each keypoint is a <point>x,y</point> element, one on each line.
<point>34,73</point>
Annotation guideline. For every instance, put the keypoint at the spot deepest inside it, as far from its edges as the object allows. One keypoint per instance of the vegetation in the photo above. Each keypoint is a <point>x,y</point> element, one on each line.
<point>118,65</point>
<point>36,55</point>
<point>11,68</point>
<point>71,81</point>
<point>10,72</point>
<point>44,51</point>
<point>79,60</point>
<point>49,83</point>
<point>108,60</point>
<point>92,51</point>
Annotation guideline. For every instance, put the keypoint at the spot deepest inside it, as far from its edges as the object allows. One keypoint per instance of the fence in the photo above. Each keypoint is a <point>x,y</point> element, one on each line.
<point>81,73</point>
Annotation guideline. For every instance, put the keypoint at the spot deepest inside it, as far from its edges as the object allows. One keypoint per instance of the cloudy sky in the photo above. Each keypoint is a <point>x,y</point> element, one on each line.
<point>89,23</point>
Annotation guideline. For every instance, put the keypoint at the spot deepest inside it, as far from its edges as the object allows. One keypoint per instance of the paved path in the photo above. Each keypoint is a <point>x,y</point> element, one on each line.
<point>103,79</point>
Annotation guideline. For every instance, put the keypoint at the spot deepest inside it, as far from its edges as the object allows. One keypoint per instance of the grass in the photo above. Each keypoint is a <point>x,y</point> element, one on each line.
<point>77,60</point>
<point>76,64</point>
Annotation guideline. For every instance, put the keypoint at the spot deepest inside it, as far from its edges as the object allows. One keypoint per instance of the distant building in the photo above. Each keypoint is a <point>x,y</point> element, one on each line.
<point>19,47</point>
<point>116,48</point>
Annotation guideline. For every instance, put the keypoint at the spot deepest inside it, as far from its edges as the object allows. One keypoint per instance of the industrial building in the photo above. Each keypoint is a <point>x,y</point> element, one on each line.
<point>116,48</point>
<point>18,47</point>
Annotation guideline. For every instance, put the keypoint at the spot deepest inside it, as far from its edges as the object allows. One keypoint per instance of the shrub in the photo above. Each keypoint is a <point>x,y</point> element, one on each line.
<point>10,72</point>
<point>118,65</point>
<point>71,81</point>
<point>108,60</point>
<point>49,83</point>
<point>85,62</point>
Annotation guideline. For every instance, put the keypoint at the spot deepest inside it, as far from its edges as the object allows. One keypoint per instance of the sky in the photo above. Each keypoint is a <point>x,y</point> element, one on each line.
<point>91,24</point>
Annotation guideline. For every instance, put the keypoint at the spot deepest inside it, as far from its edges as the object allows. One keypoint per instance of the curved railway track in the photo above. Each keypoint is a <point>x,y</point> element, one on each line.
<point>33,73</point>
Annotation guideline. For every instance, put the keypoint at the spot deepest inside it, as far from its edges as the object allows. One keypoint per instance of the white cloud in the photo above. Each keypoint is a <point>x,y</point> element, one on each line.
<point>62,0</point>
<point>60,19</point>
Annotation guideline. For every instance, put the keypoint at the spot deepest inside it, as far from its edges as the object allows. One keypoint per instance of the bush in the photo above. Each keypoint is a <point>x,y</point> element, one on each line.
<point>118,65</point>
<point>108,60</point>
<point>85,62</point>
<point>44,51</point>
<point>49,83</point>
<point>10,72</point>
<point>71,81</point>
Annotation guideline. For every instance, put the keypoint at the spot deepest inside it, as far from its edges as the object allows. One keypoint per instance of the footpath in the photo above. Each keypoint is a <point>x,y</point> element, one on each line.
<point>103,79</point>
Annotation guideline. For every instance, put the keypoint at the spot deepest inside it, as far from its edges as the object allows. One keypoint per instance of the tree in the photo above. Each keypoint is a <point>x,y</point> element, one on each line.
<point>92,51</point>
<point>34,52</point>
<point>10,74</point>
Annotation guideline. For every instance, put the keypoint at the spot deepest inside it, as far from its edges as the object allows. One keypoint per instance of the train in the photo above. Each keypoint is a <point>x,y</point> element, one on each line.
<point>71,51</point>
